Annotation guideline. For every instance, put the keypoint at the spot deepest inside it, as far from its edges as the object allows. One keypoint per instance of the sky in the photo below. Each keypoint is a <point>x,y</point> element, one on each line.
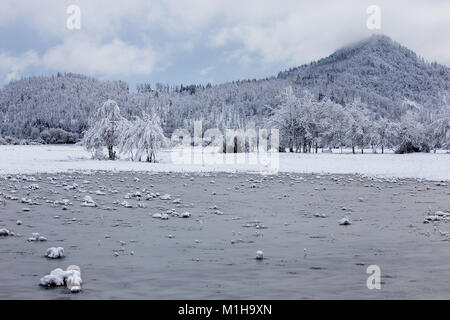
<point>203,41</point>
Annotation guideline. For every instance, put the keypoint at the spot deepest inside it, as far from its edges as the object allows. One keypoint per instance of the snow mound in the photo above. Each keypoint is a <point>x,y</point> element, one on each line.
<point>320,215</point>
<point>55,253</point>
<point>37,237</point>
<point>136,195</point>
<point>54,279</point>
<point>344,222</point>
<point>438,216</point>
<point>74,280</point>
<point>5,232</point>
<point>165,197</point>
<point>63,202</point>
<point>125,204</point>
<point>58,277</point>
<point>162,216</point>
<point>185,215</point>
<point>259,255</point>
<point>88,202</point>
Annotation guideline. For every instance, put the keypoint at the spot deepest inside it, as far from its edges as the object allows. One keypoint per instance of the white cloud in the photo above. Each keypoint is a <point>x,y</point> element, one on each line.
<point>205,71</point>
<point>12,67</point>
<point>134,37</point>
<point>89,56</point>
<point>84,55</point>
<point>296,32</point>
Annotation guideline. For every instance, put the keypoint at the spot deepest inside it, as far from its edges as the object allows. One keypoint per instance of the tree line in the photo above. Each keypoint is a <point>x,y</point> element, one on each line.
<point>306,123</point>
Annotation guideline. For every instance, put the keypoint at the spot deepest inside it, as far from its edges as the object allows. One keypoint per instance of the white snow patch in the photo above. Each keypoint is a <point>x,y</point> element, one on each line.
<point>5,232</point>
<point>88,202</point>
<point>259,255</point>
<point>55,253</point>
<point>37,237</point>
<point>125,204</point>
<point>345,221</point>
<point>438,216</point>
<point>185,215</point>
<point>58,277</point>
<point>165,197</point>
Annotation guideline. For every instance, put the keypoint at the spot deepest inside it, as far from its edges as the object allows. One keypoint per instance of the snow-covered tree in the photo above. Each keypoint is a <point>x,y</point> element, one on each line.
<point>439,133</point>
<point>386,131</point>
<point>143,137</point>
<point>286,118</point>
<point>411,135</point>
<point>106,129</point>
<point>361,132</point>
<point>335,125</point>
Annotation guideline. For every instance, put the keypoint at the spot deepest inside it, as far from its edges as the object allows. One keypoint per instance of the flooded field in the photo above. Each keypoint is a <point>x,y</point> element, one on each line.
<point>106,223</point>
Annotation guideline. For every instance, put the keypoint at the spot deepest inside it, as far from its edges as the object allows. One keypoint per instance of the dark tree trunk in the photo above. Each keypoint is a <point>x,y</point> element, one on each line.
<point>111,153</point>
<point>150,157</point>
<point>353,149</point>
<point>382,149</point>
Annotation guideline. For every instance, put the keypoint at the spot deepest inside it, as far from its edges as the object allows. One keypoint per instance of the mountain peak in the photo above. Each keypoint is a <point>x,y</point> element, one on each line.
<point>376,43</point>
<point>379,70</point>
<point>379,38</point>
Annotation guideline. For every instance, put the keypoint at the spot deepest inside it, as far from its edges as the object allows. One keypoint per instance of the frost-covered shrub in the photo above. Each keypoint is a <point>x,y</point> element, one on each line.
<point>12,140</point>
<point>409,147</point>
<point>58,136</point>
<point>37,141</point>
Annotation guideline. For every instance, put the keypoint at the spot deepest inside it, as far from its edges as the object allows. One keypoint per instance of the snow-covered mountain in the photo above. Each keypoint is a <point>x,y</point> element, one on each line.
<point>380,71</point>
<point>388,77</point>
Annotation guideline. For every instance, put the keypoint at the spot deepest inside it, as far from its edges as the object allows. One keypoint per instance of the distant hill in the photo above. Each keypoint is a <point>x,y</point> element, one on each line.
<point>380,71</point>
<point>388,77</point>
<point>31,105</point>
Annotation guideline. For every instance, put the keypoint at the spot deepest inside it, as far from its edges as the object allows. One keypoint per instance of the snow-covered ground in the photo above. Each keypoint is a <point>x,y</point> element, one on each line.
<point>63,158</point>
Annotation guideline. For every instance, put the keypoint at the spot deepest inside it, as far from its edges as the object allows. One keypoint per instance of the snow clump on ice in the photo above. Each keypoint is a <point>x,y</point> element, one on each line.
<point>88,202</point>
<point>344,221</point>
<point>58,277</point>
<point>5,232</point>
<point>37,237</point>
<point>55,253</point>
<point>259,255</point>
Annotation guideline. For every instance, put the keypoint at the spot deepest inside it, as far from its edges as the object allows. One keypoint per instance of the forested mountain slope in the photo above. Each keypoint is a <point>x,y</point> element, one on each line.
<point>381,72</point>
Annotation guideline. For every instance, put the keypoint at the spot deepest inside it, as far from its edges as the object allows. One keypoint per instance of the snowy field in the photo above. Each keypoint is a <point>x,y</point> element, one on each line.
<point>64,158</point>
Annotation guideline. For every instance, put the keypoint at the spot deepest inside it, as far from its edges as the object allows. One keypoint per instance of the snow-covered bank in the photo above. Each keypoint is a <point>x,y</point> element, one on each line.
<point>63,158</point>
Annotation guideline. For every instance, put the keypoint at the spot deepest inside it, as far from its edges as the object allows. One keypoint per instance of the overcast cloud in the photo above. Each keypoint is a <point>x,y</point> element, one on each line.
<point>200,41</point>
